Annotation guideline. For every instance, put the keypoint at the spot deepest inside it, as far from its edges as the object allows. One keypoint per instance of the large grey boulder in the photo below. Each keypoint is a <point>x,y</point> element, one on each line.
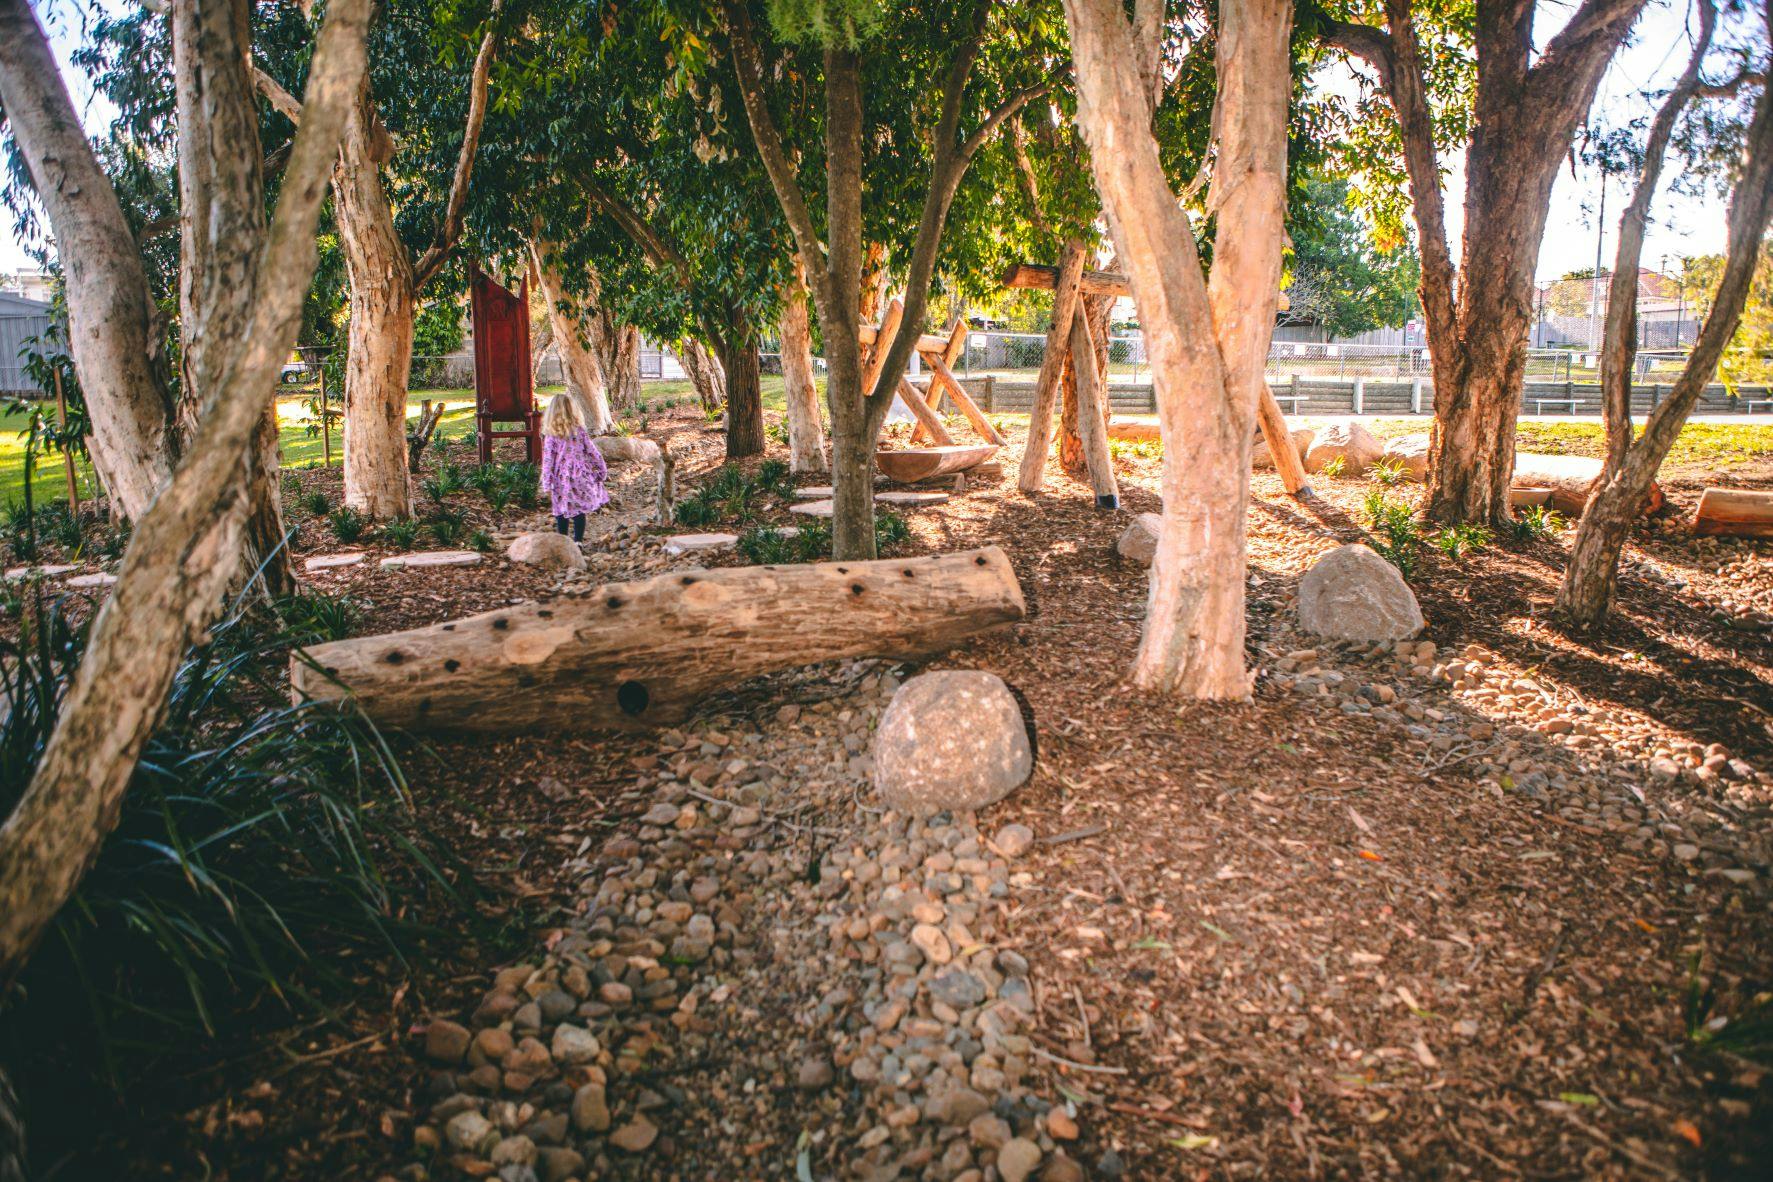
<point>1353,594</point>
<point>950,741</point>
<point>1411,451</point>
<point>1357,446</point>
<point>546,549</point>
<point>1139,540</point>
<point>1301,437</point>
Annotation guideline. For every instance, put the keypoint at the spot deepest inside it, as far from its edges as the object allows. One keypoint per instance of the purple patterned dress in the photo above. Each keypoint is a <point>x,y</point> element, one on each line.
<point>573,473</point>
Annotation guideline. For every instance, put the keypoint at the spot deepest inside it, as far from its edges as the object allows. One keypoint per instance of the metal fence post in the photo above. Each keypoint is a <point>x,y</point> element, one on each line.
<point>1416,396</point>
<point>1360,394</point>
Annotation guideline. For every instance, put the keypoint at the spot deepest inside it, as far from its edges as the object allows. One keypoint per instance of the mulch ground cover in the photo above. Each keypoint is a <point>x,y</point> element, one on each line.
<point>1275,939</point>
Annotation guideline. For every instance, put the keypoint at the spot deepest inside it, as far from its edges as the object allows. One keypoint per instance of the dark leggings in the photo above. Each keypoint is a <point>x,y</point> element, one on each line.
<point>578,524</point>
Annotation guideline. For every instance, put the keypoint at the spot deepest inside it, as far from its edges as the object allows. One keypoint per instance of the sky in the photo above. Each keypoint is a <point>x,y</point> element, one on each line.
<point>1656,55</point>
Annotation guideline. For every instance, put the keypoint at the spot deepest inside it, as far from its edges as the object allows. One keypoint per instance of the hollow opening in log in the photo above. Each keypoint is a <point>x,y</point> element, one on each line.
<point>451,665</point>
<point>632,697</point>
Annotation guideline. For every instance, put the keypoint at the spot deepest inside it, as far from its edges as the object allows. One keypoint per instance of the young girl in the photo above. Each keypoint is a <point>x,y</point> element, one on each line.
<point>573,470</point>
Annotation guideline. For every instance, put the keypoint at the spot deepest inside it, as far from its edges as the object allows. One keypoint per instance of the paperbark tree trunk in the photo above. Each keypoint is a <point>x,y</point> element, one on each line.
<point>578,363</point>
<point>186,546</point>
<point>221,231</point>
<point>1092,410</point>
<point>1207,339</point>
<point>1073,417</point>
<point>1591,576</point>
<point>378,359</point>
<point>112,333</point>
<point>618,353</point>
<point>1524,116</point>
<point>806,433</point>
<point>744,395</point>
<point>706,375</point>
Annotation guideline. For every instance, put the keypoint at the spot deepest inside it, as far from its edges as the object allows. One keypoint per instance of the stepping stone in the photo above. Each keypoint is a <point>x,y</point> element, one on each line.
<point>431,558</point>
<point>101,579</point>
<point>691,543</point>
<point>332,561</point>
<point>814,508</point>
<point>911,498</point>
<point>42,572</point>
<point>815,492</point>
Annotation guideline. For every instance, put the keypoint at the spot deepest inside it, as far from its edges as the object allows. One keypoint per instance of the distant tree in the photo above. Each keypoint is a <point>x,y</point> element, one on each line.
<point>1748,358</point>
<point>1339,276</point>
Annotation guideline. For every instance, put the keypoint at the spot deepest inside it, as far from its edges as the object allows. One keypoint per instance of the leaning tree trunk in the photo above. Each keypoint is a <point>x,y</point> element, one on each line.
<point>111,318</point>
<point>620,357</point>
<point>578,363</point>
<point>185,548</point>
<point>1073,421</point>
<point>744,394</point>
<point>378,360</point>
<point>1207,340</point>
<point>1591,576</point>
<point>806,433</point>
<point>706,376</point>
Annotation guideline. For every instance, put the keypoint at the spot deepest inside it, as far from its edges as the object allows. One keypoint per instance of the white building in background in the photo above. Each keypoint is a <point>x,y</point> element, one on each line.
<point>31,283</point>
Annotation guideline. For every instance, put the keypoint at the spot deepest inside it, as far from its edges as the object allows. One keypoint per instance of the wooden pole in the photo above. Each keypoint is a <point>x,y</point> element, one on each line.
<point>1052,364</point>
<point>926,418</point>
<point>61,421</point>
<point>939,372</point>
<point>325,420</point>
<point>1092,412</point>
<point>883,344</point>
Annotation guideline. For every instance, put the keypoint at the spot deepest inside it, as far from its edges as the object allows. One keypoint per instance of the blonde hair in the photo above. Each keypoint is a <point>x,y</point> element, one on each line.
<point>562,416</point>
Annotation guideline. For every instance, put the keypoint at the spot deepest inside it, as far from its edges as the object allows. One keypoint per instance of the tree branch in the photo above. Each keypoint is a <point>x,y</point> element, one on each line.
<point>450,229</point>
<point>748,65</point>
<point>995,120</point>
<point>283,102</point>
<point>1371,45</point>
<point>634,224</point>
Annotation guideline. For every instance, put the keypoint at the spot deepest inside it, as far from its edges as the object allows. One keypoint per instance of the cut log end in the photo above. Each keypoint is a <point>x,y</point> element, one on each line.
<point>1734,513</point>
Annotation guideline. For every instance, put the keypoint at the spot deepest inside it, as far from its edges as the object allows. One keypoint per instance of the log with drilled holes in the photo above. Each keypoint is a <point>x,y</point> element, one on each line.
<point>632,656</point>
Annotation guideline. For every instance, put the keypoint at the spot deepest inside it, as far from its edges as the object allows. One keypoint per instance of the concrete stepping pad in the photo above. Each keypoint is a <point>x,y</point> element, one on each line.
<point>100,579</point>
<point>693,543</point>
<point>48,571</point>
<point>815,492</point>
<point>911,498</point>
<point>814,508</point>
<point>332,561</point>
<point>431,558</point>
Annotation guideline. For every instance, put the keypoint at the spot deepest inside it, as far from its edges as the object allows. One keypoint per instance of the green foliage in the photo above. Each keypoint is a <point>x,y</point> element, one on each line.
<point>1396,534</point>
<point>732,496</point>
<point>524,482</point>
<point>1537,523</point>
<point>401,533</point>
<point>1334,467</point>
<point>811,542</point>
<point>1337,276</point>
<point>480,540</point>
<point>312,617</point>
<point>1456,541</point>
<point>1748,359</point>
<point>437,329</point>
<point>316,502</point>
<point>348,524</point>
<point>259,850</point>
<point>828,24</point>
<point>20,528</point>
<point>1388,472</point>
<point>448,526</point>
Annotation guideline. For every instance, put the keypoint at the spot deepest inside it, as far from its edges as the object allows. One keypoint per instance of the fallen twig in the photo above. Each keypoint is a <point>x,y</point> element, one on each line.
<point>1064,1062</point>
<point>1075,834</point>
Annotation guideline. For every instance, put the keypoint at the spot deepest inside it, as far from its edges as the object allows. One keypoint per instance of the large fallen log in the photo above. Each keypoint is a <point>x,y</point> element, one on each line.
<point>1734,512</point>
<point>632,656</point>
<point>1571,479</point>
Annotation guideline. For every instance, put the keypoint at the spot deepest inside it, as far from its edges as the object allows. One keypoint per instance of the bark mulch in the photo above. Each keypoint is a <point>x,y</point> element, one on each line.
<point>1285,938</point>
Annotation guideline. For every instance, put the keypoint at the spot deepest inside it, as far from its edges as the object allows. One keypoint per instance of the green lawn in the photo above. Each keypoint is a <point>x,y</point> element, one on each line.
<point>302,447</point>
